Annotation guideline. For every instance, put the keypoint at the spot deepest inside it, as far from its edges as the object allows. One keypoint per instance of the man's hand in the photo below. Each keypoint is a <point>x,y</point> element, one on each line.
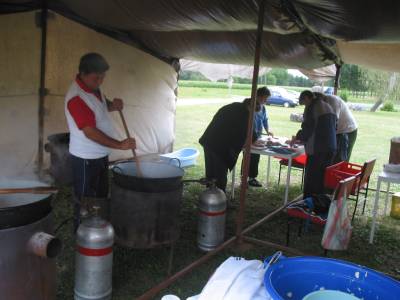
<point>292,141</point>
<point>116,104</point>
<point>99,137</point>
<point>128,144</point>
<point>270,133</point>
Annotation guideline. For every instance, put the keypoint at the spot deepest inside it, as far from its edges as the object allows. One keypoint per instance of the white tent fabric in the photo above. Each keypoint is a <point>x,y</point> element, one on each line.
<point>321,74</point>
<point>383,56</point>
<point>145,83</point>
<point>215,72</point>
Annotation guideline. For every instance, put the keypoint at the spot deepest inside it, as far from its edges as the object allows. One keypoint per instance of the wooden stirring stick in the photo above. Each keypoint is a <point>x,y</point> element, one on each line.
<point>29,190</point>
<point>138,169</point>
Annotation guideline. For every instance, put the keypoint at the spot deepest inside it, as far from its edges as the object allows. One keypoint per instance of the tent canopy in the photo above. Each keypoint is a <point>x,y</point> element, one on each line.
<point>303,34</point>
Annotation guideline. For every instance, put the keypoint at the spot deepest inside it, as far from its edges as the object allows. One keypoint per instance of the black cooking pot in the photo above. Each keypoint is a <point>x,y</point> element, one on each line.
<point>60,158</point>
<point>23,209</point>
<point>157,177</point>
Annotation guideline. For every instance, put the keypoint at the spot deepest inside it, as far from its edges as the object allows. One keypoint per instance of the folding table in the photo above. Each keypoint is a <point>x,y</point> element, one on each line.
<point>270,152</point>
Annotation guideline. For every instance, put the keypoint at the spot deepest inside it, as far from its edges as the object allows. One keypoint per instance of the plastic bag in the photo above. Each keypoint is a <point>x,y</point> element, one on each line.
<point>337,231</point>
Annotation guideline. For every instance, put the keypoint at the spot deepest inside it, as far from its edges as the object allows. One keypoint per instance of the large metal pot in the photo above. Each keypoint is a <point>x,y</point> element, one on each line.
<point>157,177</point>
<point>28,268</point>
<point>145,210</point>
<point>60,158</point>
<point>22,209</point>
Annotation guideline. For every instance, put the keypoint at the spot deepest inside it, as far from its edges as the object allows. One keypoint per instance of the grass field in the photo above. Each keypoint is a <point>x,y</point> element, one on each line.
<point>135,271</point>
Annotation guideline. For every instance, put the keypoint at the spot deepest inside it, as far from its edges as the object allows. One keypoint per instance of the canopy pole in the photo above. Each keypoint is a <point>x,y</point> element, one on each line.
<point>42,88</point>
<point>246,156</point>
<point>337,78</point>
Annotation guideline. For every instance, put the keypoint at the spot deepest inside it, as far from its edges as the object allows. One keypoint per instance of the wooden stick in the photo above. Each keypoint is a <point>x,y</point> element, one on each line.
<point>30,190</point>
<point>138,169</point>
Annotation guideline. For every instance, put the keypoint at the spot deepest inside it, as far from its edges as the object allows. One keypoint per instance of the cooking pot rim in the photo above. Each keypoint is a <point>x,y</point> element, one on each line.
<point>117,170</point>
<point>44,197</point>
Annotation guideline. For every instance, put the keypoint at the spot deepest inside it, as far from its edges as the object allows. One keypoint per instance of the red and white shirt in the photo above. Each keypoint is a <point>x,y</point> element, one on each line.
<point>86,108</point>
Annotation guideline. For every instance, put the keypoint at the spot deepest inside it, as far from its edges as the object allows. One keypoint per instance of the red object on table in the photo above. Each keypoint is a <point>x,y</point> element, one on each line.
<point>340,171</point>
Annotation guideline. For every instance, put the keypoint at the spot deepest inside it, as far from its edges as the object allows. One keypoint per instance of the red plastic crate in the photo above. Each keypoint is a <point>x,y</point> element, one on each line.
<point>335,173</point>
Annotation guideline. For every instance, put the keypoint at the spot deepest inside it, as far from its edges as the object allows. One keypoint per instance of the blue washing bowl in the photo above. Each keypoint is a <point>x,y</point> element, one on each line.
<point>184,157</point>
<point>296,277</point>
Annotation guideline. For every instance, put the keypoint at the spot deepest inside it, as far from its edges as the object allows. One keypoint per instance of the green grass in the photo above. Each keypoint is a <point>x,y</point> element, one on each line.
<point>208,89</point>
<point>135,271</point>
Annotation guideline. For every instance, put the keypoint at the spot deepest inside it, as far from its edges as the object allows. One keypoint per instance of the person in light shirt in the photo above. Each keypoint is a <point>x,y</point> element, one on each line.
<point>347,128</point>
<point>91,130</point>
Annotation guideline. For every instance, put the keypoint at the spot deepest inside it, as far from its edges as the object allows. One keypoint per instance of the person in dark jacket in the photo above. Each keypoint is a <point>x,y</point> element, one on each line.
<point>318,133</point>
<point>224,139</point>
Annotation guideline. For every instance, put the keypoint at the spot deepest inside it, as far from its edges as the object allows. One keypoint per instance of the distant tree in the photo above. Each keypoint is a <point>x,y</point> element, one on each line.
<point>241,80</point>
<point>353,78</point>
<point>385,85</point>
<point>271,79</point>
<point>192,75</point>
<point>281,75</point>
<point>276,76</point>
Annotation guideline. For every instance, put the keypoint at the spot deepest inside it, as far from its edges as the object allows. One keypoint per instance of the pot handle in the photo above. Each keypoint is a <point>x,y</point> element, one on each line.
<point>177,159</point>
<point>47,147</point>
<point>116,167</point>
<point>44,245</point>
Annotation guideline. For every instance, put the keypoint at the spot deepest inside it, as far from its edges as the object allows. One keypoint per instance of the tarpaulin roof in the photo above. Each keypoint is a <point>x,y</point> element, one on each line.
<point>215,72</point>
<point>305,34</point>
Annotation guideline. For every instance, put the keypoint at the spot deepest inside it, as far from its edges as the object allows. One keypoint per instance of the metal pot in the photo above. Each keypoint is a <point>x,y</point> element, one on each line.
<point>22,209</point>
<point>157,177</point>
<point>145,220</point>
<point>28,248</point>
<point>60,158</point>
<point>145,210</point>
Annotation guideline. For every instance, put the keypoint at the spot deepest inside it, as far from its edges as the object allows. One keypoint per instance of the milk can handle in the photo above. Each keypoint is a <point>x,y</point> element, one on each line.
<point>272,259</point>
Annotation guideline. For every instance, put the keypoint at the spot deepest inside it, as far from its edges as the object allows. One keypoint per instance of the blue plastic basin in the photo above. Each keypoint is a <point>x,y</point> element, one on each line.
<point>184,157</point>
<point>295,277</point>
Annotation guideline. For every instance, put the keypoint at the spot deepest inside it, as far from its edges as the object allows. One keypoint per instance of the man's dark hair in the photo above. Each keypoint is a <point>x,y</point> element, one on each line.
<point>304,94</point>
<point>93,63</point>
<point>263,91</point>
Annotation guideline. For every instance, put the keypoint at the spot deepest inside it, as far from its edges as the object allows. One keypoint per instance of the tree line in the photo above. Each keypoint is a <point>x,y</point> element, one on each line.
<point>276,76</point>
<point>355,80</point>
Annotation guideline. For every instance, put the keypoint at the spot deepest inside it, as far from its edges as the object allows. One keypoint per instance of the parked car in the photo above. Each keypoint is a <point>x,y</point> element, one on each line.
<point>282,97</point>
